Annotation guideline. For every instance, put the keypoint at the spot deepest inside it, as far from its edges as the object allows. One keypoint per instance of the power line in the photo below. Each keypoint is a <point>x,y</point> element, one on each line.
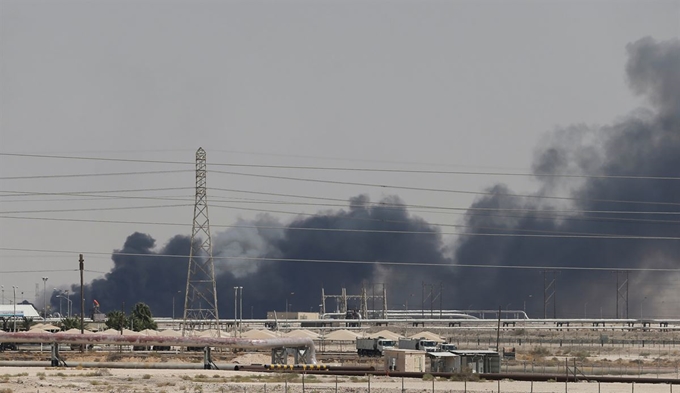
<point>540,217</point>
<point>541,234</point>
<point>37,271</point>
<point>89,175</point>
<point>93,198</point>
<point>371,184</point>
<point>381,204</point>
<point>95,271</point>
<point>338,182</point>
<point>292,228</point>
<point>538,214</point>
<point>94,194</point>
<point>485,212</point>
<point>92,209</point>
<point>354,160</point>
<point>299,167</point>
<point>97,194</point>
<point>424,171</point>
<point>430,224</point>
<point>97,158</point>
<point>364,262</point>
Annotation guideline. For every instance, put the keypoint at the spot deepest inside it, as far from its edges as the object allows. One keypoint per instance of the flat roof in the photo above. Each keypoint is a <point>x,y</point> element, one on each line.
<point>22,310</point>
<point>442,354</point>
<point>412,351</point>
<point>474,352</point>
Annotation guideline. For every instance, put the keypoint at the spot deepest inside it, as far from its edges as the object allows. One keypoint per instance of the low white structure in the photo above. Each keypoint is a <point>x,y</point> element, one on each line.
<point>22,310</point>
<point>404,360</point>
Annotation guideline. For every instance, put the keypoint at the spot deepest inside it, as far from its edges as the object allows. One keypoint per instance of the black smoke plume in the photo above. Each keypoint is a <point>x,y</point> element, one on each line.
<point>142,273</point>
<point>644,143</point>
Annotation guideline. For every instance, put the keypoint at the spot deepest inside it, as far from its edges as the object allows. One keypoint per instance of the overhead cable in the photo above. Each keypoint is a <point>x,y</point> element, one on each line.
<point>363,262</point>
<point>443,190</point>
<point>93,209</point>
<point>91,175</point>
<point>350,169</point>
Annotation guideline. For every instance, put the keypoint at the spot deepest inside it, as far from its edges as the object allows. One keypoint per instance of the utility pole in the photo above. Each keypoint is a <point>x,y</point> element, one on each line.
<point>44,298</point>
<point>82,298</point>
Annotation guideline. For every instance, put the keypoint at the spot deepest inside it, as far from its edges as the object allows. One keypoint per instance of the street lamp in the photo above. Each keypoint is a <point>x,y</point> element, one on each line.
<point>3,294</point>
<point>235,309</point>
<point>288,304</point>
<point>14,316</point>
<point>68,304</point>
<point>55,290</point>
<point>44,298</point>
<point>240,297</point>
<point>525,304</point>
<point>173,304</point>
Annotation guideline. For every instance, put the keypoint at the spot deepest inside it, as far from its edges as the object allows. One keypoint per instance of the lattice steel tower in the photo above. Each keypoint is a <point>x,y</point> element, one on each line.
<point>200,300</point>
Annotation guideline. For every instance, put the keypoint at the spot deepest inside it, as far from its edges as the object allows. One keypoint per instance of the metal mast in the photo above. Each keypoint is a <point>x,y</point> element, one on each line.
<point>200,301</point>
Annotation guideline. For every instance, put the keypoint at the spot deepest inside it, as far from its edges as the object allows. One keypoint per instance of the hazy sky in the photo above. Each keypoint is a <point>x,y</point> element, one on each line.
<point>391,84</point>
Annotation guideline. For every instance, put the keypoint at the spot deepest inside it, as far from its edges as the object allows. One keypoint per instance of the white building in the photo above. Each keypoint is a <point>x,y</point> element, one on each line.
<point>22,310</point>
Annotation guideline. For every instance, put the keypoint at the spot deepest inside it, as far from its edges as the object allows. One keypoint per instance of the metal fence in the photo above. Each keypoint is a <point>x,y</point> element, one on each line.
<point>421,386</point>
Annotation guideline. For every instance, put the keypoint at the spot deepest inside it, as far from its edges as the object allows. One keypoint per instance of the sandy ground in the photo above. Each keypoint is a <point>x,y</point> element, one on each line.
<point>658,358</point>
<point>60,380</point>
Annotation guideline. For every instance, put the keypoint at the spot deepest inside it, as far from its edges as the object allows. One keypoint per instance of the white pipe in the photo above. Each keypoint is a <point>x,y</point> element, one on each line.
<point>223,342</point>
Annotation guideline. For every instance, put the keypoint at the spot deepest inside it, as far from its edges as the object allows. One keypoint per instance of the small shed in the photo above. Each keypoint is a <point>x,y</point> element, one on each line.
<point>404,360</point>
<point>479,361</point>
<point>444,362</point>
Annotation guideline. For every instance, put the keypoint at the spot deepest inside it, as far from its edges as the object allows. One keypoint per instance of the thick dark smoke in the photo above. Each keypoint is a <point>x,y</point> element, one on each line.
<point>269,285</point>
<point>645,143</point>
<point>140,276</point>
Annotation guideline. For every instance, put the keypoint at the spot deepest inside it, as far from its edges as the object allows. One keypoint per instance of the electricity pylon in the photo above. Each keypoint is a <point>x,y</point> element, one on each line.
<point>200,299</point>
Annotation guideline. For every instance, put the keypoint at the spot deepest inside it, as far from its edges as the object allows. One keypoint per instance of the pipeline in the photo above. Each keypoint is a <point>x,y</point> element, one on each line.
<point>123,365</point>
<point>221,342</point>
<point>350,371</point>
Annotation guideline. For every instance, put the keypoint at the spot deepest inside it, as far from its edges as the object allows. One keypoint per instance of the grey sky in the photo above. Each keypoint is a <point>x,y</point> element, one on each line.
<point>460,84</point>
